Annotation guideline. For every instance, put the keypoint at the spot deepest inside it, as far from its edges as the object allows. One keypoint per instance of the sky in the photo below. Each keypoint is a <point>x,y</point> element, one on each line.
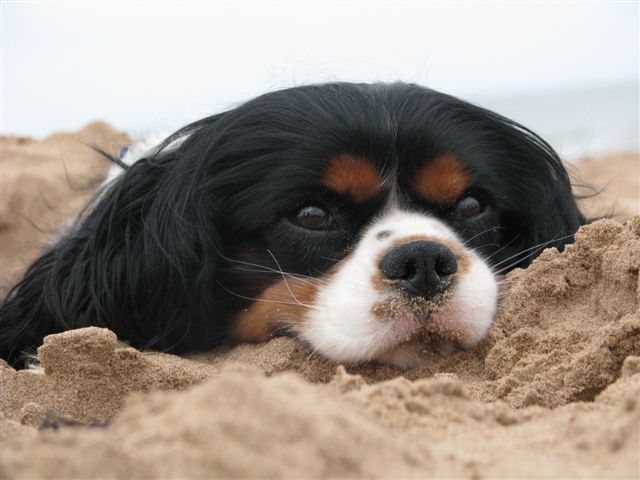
<point>157,65</point>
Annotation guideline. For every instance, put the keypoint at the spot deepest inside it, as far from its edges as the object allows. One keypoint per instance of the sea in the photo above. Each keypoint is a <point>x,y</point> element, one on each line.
<point>578,123</point>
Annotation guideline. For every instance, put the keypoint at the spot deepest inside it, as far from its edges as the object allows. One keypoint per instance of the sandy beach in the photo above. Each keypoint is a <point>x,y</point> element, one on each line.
<point>553,392</point>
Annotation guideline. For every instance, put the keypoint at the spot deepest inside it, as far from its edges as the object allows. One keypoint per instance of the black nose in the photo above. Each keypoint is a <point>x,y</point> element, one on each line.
<point>424,268</point>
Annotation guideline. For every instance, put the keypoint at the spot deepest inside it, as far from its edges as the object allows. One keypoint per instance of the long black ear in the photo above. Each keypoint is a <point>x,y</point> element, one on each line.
<point>540,209</point>
<point>141,261</point>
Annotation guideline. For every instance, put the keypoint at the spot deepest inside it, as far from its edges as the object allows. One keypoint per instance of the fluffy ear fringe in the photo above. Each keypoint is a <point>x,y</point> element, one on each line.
<point>544,207</point>
<point>141,261</point>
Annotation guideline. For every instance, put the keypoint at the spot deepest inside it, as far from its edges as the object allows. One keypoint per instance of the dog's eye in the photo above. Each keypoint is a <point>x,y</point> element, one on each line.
<point>468,206</point>
<point>312,217</point>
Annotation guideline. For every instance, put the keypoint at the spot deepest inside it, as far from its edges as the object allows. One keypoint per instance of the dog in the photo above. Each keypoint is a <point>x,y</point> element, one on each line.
<point>372,221</point>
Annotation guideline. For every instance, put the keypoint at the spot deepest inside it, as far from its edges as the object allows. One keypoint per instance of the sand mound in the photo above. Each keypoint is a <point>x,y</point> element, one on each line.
<point>44,183</point>
<point>570,319</point>
<point>546,385</point>
<point>243,424</point>
<point>553,392</point>
<point>87,374</point>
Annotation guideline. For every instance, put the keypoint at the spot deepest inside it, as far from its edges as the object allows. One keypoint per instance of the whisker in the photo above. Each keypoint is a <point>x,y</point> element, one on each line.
<point>335,260</point>
<point>523,253</point>
<point>303,278</point>
<point>466,242</point>
<point>512,279</point>
<point>486,245</point>
<point>282,328</point>
<point>270,269</point>
<point>284,278</point>
<point>314,352</point>
<point>280,302</point>
<point>505,246</point>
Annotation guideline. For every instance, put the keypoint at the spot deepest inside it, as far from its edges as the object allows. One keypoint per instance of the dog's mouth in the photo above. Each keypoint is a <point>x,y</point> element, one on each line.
<point>419,329</point>
<point>418,352</point>
<point>412,314</point>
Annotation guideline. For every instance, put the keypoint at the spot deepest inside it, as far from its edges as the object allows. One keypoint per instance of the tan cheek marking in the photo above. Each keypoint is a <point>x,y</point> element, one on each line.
<point>443,180</point>
<point>353,177</point>
<point>282,304</point>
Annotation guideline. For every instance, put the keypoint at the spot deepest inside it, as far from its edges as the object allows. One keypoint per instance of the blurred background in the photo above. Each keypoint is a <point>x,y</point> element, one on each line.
<point>568,70</point>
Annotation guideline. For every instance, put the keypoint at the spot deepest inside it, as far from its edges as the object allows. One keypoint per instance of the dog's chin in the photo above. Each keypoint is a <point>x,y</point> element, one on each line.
<point>418,352</point>
<point>422,330</point>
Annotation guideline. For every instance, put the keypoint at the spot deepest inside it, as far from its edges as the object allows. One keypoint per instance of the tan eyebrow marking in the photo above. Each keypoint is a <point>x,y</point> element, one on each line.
<point>353,177</point>
<point>443,180</point>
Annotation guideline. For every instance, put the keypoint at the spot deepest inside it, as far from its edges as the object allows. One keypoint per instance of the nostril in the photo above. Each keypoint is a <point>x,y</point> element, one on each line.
<point>445,264</point>
<point>410,270</point>
<point>423,268</point>
<point>398,265</point>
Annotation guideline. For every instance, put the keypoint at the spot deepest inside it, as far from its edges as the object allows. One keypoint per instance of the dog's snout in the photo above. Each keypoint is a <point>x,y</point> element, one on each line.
<point>423,268</point>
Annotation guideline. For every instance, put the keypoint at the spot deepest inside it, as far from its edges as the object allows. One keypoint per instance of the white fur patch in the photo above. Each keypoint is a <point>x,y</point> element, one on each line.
<point>140,149</point>
<point>343,326</point>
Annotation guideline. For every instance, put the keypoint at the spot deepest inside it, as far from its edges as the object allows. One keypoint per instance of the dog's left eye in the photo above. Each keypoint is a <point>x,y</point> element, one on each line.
<point>467,207</point>
<point>312,217</point>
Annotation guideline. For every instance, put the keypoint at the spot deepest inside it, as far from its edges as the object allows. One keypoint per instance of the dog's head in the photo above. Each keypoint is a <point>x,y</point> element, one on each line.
<point>360,218</point>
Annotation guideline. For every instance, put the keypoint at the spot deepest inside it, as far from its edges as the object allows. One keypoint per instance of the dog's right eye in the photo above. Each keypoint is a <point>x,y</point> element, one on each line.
<point>467,207</point>
<point>312,217</point>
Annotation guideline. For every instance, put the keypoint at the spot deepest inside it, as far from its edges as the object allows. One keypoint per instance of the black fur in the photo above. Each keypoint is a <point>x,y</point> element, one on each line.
<point>158,256</point>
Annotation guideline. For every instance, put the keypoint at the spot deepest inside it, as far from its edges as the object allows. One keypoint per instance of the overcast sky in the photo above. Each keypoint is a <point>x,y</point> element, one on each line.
<point>149,66</point>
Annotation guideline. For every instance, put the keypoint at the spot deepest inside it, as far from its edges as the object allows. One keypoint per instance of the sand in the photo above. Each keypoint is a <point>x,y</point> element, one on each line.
<point>616,180</point>
<point>43,185</point>
<point>553,392</point>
